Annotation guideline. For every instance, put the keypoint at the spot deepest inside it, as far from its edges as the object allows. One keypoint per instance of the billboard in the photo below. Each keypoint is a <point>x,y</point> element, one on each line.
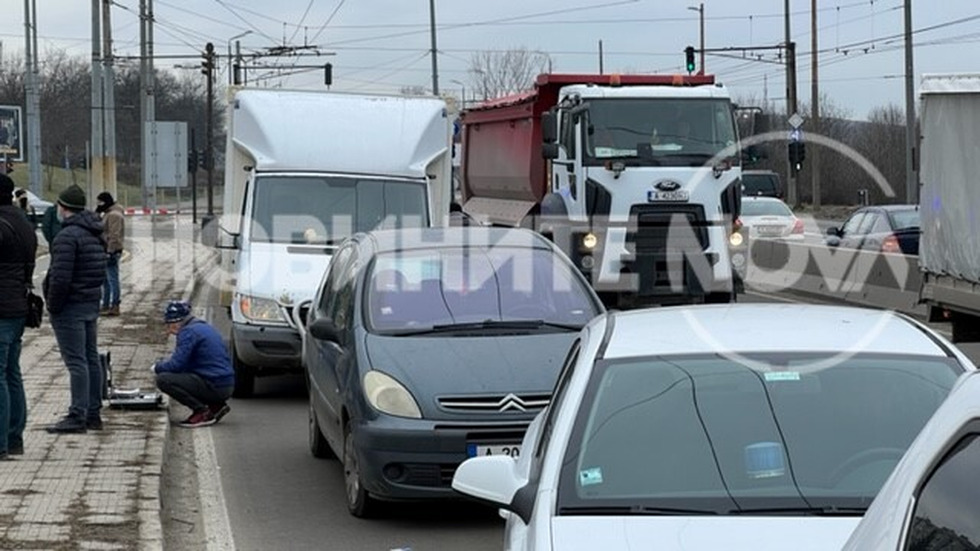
<point>11,133</point>
<point>168,155</point>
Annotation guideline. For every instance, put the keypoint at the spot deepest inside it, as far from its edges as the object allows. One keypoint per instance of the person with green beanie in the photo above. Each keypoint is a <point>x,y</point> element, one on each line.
<point>73,291</point>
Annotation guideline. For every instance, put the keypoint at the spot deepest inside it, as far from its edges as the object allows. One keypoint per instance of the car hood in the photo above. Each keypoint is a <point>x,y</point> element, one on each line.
<point>701,533</point>
<point>446,365</point>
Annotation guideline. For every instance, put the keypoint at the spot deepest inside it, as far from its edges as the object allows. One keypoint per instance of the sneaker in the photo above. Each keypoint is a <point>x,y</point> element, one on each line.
<point>93,423</point>
<point>113,310</point>
<point>201,418</point>
<point>67,425</point>
<point>16,450</point>
<point>218,411</point>
<point>4,456</point>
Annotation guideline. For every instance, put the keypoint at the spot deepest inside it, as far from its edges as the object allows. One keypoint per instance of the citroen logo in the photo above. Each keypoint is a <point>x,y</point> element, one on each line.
<point>511,402</point>
<point>667,185</point>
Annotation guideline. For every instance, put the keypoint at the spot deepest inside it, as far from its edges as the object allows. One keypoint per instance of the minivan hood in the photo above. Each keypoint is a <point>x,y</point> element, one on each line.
<point>446,365</point>
<point>286,273</point>
<point>571,533</point>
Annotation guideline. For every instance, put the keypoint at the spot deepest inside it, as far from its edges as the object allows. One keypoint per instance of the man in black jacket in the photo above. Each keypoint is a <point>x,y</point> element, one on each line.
<point>73,289</point>
<point>18,247</point>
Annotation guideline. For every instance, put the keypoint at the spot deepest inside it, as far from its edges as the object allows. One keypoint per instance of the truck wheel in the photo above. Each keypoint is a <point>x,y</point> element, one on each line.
<point>244,375</point>
<point>318,444</point>
<point>359,503</point>
<point>966,328</point>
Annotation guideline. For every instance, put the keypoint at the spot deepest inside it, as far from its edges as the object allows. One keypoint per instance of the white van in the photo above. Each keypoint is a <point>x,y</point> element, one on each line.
<point>303,171</point>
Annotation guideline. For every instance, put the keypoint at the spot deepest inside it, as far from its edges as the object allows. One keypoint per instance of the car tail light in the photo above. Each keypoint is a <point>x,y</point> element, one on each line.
<point>798,226</point>
<point>890,245</point>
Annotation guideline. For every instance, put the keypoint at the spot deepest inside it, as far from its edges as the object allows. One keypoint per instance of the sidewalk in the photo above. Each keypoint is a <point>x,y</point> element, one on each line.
<point>99,490</point>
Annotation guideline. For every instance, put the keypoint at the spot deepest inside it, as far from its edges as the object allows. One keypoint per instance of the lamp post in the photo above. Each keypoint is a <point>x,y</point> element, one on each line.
<point>462,94</point>
<point>231,76</point>
<point>700,10</point>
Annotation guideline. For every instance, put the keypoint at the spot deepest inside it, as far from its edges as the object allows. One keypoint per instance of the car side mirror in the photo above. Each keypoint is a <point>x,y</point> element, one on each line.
<point>494,480</point>
<point>325,329</point>
<point>833,231</point>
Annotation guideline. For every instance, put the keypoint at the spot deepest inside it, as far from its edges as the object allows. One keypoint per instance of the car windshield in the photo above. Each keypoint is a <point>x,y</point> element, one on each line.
<point>417,290</point>
<point>904,219</point>
<point>765,208</point>
<point>758,433</point>
<point>323,210</point>
<point>667,131</point>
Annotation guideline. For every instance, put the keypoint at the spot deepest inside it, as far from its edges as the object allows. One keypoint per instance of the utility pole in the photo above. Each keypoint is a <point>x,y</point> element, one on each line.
<point>791,184</point>
<point>911,175</point>
<point>701,17</point>
<point>815,100</point>
<point>97,160</point>
<point>32,94</point>
<point>147,105</point>
<point>109,102</point>
<point>192,168</point>
<point>600,57</point>
<point>432,32</point>
<point>208,70</point>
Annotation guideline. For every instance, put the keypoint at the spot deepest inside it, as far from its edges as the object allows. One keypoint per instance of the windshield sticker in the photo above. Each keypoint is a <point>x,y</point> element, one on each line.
<point>775,376</point>
<point>588,477</point>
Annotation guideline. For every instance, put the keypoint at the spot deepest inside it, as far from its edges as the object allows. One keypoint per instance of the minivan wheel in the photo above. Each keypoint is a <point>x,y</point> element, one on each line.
<point>359,503</point>
<point>318,444</point>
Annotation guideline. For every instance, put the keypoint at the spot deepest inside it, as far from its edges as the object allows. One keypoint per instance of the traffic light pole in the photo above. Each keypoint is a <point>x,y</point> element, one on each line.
<point>192,166</point>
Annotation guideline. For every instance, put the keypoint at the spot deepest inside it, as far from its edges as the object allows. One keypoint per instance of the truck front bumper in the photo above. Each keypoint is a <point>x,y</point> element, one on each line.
<point>267,347</point>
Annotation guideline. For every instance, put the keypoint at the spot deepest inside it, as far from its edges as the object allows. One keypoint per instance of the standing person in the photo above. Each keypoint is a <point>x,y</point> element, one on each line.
<point>198,374</point>
<point>73,288</point>
<point>114,219</point>
<point>18,247</point>
<point>50,224</point>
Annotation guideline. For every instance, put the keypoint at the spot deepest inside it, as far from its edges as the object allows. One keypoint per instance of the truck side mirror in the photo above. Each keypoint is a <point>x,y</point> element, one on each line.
<point>549,151</point>
<point>549,127</point>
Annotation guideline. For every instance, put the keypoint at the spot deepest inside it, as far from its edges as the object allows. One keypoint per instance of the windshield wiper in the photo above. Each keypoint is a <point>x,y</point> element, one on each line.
<point>803,511</point>
<point>527,325</point>
<point>633,510</point>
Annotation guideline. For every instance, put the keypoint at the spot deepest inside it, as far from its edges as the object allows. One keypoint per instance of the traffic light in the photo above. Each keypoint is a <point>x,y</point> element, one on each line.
<point>689,55</point>
<point>328,74</point>
<point>797,153</point>
<point>202,159</point>
<point>207,60</point>
<point>191,160</point>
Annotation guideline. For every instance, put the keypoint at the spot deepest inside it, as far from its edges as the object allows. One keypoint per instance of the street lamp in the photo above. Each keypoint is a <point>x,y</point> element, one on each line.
<point>231,75</point>
<point>462,93</point>
<point>700,10</point>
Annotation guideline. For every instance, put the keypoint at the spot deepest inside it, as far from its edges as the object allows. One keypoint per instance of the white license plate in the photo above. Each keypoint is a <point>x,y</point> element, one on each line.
<point>479,450</point>
<point>770,230</point>
<point>678,195</point>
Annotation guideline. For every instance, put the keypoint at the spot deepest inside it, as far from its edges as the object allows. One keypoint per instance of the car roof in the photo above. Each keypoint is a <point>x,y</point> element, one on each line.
<point>758,172</point>
<point>408,239</point>
<point>744,328</point>
<point>763,198</point>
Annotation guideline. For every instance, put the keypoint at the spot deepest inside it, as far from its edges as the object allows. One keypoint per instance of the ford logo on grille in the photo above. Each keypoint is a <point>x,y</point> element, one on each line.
<point>667,185</point>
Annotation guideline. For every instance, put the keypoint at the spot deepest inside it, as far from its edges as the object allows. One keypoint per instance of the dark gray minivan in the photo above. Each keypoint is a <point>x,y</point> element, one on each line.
<point>761,183</point>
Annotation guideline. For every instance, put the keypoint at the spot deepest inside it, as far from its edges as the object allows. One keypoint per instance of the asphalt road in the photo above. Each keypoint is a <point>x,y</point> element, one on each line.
<point>279,497</point>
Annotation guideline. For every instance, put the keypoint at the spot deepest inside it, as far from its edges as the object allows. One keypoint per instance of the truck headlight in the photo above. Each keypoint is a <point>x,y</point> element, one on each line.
<point>736,239</point>
<point>387,395</point>
<point>260,309</point>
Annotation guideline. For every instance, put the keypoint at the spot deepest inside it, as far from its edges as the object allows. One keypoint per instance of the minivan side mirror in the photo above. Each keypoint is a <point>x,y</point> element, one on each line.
<point>325,329</point>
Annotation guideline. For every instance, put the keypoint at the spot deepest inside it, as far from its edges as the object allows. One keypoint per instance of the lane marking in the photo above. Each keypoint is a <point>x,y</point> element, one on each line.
<point>214,509</point>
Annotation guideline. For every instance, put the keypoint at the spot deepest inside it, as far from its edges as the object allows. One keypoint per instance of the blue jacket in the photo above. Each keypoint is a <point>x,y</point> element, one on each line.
<point>77,269</point>
<point>200,350</point>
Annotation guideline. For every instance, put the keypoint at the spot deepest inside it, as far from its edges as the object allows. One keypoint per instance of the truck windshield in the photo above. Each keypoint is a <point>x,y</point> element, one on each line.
<point>322,210</point>
<point>658,131</point>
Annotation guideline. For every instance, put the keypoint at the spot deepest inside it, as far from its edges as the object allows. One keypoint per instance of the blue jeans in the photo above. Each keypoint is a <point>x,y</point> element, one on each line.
<point>110,289</point>
<point>13,404</point>
<point>76,328</point>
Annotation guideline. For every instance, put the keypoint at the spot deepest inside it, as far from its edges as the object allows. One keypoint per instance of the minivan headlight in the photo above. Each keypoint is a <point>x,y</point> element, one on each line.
<point>260,309</point>
<point>387,395</point>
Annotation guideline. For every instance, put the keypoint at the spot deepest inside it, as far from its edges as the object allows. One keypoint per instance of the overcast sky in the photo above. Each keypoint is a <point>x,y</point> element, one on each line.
<point>382,45</point>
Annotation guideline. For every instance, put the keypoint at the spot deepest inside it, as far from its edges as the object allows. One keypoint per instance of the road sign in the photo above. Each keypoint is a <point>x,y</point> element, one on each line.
<point>796,120</point>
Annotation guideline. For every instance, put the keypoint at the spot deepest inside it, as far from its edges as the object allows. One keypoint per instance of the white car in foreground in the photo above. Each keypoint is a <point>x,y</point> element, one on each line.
<point>932,499</point>
<point>742,426</point>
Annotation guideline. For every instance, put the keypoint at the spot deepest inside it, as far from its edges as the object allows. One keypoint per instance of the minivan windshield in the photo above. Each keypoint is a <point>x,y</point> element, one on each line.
<point>659,131</point>
<point>419,290</point>
<point>321,210</point>
<point>735,435</point>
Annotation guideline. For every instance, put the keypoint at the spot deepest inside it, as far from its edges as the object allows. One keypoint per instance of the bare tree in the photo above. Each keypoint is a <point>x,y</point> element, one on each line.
<point>500,73</point>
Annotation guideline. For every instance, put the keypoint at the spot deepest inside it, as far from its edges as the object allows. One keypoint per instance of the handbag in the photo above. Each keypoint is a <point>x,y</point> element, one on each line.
<point>35,309</point>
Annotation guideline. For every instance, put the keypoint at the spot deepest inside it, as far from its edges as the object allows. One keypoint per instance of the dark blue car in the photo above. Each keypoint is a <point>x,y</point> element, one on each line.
<point>426,347</point>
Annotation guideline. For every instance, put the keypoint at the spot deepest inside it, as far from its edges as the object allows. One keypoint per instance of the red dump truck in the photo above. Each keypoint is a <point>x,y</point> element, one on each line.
<point>635,177</point>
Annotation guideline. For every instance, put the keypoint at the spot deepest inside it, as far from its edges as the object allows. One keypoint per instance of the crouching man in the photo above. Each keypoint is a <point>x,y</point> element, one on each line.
<point>198,374</point>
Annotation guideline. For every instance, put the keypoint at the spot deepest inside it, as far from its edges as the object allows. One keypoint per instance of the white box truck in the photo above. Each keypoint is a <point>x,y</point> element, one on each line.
<point>303,171</point>
<point>949,251</point>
